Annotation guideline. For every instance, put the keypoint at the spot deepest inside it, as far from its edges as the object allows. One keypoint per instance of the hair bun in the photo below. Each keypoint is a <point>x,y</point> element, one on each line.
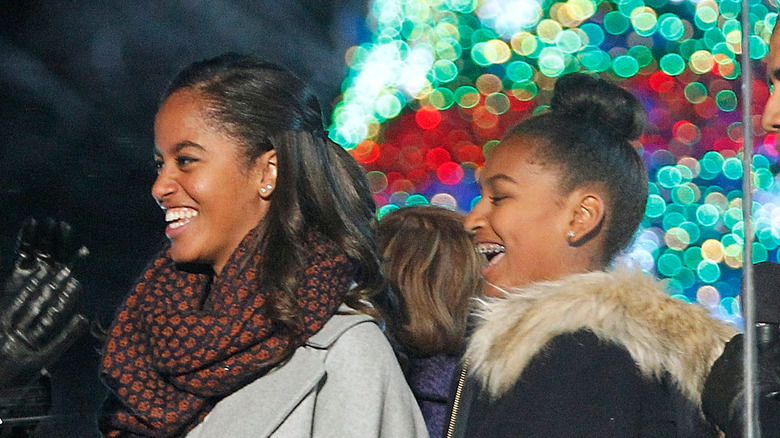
<point>600,104</point>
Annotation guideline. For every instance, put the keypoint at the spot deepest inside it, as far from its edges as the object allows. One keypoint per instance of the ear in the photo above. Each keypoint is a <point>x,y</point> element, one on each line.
<point>588,211</point>
<point>266,167</point>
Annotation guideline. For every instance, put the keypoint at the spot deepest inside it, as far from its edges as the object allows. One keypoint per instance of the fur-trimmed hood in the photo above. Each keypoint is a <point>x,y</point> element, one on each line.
<point>626,307</point>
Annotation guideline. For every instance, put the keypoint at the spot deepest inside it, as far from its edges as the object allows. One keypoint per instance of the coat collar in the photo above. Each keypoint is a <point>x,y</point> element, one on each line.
<point>626,307</point>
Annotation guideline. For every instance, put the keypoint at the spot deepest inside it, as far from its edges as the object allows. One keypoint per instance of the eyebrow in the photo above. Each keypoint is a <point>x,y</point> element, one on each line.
<point>179,146</point>
<point>495,179</point>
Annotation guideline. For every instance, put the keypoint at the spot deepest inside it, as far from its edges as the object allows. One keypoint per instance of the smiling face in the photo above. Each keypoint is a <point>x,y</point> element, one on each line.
<point>522,218</point>
<point>211,200</point>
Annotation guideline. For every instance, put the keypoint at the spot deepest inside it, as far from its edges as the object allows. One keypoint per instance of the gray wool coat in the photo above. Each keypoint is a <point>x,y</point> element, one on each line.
<point>343,382</point>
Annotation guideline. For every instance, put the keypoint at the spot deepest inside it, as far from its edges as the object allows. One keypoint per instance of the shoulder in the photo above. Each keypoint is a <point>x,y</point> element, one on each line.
<point>625,307</point>
<point>577,385</point>
<point>364,392</point>
<point>581,359</point>
<point>359,345</point>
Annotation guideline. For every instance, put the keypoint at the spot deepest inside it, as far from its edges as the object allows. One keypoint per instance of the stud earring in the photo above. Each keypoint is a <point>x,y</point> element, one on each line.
<point>263,190</point>
<point>269,187</point>
<point>570,235</point>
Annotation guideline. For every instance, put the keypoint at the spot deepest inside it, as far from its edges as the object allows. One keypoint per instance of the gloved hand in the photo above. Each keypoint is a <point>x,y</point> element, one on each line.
<point>37,320</point>
<point>723,398</point>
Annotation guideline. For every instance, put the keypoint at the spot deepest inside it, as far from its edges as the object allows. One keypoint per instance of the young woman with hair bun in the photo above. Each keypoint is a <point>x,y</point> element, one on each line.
<point>568,346</point>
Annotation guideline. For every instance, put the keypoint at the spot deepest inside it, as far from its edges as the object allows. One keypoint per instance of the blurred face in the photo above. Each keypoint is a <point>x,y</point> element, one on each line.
<point>771,117</point>
<point>211,201</point>
<point>521,222</point>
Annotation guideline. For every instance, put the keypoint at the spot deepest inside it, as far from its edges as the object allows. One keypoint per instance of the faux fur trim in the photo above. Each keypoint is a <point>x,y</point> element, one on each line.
<point>625,307</point>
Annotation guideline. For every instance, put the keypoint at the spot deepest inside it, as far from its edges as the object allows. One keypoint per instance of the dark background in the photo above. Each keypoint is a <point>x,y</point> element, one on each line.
<point>79,87</point>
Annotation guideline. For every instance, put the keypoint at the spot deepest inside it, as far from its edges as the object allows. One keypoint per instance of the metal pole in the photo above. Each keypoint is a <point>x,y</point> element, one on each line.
<point>748,296</point>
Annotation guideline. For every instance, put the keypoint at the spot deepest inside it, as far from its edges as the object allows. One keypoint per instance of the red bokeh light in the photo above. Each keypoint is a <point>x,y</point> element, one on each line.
<point>427,117</point>
<point>450,173</point>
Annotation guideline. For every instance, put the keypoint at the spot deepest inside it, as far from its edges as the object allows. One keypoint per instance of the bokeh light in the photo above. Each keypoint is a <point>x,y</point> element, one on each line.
<point>429,97</point>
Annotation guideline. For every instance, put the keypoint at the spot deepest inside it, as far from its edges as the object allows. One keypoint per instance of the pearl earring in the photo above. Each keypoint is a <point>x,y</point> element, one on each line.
<point>263,190</point>
<point>570,234</point>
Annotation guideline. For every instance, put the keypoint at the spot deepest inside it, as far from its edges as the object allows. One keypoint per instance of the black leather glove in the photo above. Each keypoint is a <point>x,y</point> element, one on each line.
<point>723,398</point>
<point>37,320</point>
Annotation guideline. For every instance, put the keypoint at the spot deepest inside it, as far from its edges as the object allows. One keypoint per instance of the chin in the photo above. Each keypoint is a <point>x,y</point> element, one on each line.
<point>180,255</point>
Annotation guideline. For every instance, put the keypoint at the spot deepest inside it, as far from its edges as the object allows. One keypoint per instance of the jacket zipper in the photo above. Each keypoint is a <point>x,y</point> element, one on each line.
<point>456,400</point>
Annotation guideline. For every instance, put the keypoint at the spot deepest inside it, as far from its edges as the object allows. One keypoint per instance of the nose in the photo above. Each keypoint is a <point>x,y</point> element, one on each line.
<point>770,120</point>
<point>476,217</point>
<point>164,185</point>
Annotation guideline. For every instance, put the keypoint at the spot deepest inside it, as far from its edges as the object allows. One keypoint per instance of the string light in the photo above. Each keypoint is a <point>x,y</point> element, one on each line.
<point>427,99</point>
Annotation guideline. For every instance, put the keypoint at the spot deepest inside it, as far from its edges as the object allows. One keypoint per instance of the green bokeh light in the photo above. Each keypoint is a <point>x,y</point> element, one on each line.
<point>760,253</point>
<point>519,71</point>
<point>568,41</point>
<point>644,23</point>
<point>625,66</point>
<point>708,271</point>
<point>707,215</point>
<point>695,92</point>
<point>685,277</point>
<point>594,32</point>
<point>656,206</point>
<point>616,23</point>
<point>671,27</point>
<point>388,106</point>
<point>671,220</point>
<point>387,208</point>
<point>672,64</point>
<point>694,233</point>
<point>668,177</point>
<point>732,168</point>
<point>693,257</point>
<point>441,98</point>
<point>525,90</point>
<point>726,100</point>
<point>595,60</point>
<point>416,199</point>
<point>497,103</point>
<point>763,179</point>
<point>706,17</point>
<point>758,47</point>
<point>444,70</point>
<point>551,62</point>
<point>627,7</point>
<point>683,195</point>
<point>669,264</point>
<point>642,54</point>
<point>731,218</point>
<point>730,8</point>
<point>467,96</point>
<point>448,49</point>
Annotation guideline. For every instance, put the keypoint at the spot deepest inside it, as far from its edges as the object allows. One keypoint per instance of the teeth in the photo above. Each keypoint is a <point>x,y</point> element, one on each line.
<point>175,214</point>
<point>490,248</point>
<point>178,224</point>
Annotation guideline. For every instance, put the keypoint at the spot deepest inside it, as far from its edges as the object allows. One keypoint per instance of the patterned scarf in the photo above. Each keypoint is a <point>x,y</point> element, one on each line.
<point>180,343</point>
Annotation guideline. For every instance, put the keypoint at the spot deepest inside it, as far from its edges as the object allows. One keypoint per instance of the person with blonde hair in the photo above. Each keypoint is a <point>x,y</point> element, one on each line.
<point>433,274</point>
